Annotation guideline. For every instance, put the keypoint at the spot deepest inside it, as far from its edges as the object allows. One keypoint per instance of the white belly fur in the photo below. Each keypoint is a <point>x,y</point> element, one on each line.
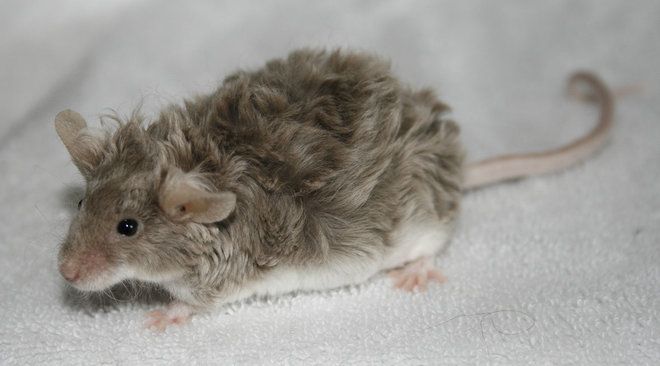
<point>410,241</point>
<point>415,240</point>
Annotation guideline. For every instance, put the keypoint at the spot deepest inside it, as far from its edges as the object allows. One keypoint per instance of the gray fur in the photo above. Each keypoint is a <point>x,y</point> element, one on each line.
<point>326,153</point>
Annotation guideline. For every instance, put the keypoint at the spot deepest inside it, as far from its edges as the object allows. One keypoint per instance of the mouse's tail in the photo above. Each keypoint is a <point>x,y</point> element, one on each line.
<point>507,167</point>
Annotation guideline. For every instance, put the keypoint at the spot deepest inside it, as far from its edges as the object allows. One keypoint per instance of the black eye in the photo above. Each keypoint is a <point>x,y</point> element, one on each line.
<point>79,204</point>
<point>127,227</point>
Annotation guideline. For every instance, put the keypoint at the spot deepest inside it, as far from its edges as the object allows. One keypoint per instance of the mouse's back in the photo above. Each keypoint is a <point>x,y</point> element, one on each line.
<point>336,152</point>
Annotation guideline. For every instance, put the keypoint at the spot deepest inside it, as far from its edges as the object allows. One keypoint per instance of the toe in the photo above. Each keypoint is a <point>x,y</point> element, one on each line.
<point>394,274</point>
<point>422,284</point>
<point>410,283</point>
<point>154,324</point>
<point>437,276</point>
<point>400,280</point>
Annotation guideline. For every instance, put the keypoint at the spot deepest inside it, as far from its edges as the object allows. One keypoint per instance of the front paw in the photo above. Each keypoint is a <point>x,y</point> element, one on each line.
<point>176,313</point>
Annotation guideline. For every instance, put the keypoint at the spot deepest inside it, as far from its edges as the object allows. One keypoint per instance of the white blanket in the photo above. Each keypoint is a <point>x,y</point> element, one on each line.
<point>561,269</point>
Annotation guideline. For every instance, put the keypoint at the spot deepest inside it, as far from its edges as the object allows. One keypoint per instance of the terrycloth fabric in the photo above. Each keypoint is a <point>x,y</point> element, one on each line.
<point>563,269</point>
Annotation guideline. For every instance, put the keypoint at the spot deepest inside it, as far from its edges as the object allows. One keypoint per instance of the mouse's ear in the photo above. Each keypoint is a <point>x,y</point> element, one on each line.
<point>184,197</point>
<point>84,144</point>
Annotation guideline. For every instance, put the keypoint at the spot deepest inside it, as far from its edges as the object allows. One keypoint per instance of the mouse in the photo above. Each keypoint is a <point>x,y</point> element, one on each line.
<point>318,170</point>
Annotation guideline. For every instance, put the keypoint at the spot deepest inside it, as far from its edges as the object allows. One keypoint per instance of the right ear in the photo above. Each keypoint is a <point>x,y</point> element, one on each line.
<point>184,197</point>
<point>85,146</point>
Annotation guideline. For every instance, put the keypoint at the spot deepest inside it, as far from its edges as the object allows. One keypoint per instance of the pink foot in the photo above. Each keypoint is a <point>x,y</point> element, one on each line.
<point>416,275</point>
<point>176,313</point>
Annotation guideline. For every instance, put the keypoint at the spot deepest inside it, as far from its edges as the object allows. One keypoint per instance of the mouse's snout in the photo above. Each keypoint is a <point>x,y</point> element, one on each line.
<point>84,268</point>
<point>69,271</point>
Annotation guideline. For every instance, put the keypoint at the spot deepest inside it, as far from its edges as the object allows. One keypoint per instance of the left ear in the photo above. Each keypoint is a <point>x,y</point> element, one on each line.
<point>86,145</point>
<point>184,197</point>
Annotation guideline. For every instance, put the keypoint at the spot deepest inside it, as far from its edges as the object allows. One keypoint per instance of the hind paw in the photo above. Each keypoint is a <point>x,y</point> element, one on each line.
<point>416,275</point>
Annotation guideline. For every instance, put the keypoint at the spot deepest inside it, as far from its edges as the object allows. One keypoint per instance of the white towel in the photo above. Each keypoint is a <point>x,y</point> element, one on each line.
<point>561,269</point>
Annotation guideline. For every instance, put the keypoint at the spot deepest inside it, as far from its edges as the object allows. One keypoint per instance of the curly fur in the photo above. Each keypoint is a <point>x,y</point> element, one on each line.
<point>328,156</point>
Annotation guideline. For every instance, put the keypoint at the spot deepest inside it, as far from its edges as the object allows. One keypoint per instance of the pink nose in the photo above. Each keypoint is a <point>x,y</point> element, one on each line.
<point>70,272</point>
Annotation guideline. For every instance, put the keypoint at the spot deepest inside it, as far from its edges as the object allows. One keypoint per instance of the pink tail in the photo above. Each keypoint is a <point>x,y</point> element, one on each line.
<point>507,167</point>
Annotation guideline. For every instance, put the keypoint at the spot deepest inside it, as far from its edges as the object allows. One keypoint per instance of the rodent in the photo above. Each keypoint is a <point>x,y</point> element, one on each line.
<point>318,170</point>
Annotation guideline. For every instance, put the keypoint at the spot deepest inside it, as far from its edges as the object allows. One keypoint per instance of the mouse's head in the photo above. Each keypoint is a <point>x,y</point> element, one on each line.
<point>141,217</point>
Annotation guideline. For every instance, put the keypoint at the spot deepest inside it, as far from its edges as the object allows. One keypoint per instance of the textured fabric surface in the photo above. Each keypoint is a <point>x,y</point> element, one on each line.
<point>562,269</point>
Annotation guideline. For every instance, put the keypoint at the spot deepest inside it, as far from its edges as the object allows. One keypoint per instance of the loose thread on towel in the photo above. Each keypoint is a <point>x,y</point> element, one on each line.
<point>489,316</point>
<point>485,315</point>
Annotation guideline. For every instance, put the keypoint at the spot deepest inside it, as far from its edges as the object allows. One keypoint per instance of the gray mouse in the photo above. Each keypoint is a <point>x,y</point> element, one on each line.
<point>316,171</point>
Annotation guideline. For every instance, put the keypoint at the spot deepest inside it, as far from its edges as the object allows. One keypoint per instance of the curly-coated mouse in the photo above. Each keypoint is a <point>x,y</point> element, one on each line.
<point>316,171</point>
